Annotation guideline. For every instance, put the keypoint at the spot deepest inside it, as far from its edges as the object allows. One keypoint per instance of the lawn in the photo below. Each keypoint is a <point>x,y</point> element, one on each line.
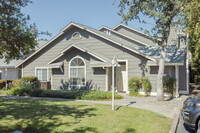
<point>44,116</point>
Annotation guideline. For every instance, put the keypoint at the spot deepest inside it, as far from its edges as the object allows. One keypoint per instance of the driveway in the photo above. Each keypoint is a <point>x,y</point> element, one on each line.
<point>168,107</point>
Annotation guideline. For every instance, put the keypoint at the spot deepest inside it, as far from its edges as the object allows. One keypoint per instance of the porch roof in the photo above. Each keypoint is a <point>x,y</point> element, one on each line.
<point>100,64</point>
<point>54,65</point>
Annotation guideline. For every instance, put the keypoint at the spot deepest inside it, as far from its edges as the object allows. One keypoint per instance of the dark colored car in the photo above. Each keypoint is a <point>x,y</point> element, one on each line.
<point>191,112</point>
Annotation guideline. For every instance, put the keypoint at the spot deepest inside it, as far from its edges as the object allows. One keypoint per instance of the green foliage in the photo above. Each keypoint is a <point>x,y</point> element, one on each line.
<point>197,79</point>
<point>192,22</point>
<point>169,85</point>
<point>17,35</point>
<point>30,82</point>
<point>2,84</point>
<point>85,95</point>
<point>146,84</point>
<point>134,86</point>
<point>164,13</point>
<point>15,83</point>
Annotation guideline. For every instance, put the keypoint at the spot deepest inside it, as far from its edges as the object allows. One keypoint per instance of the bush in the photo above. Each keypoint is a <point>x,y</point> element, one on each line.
<point>169,85</point>
<point>15,83</point>
<point>84,95</point>
<point>14,91</point>
<point>197,79</point>
<point>31,81</point>
<point>2,84</point>
<point>134,86</point>
<point>146,85</point>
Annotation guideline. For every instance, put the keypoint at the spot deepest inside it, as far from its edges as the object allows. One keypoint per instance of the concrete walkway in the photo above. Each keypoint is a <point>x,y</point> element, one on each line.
<point>167,107</point>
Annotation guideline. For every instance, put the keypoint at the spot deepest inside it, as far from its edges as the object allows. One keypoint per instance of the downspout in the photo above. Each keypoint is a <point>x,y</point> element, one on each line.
<point>187,65</point>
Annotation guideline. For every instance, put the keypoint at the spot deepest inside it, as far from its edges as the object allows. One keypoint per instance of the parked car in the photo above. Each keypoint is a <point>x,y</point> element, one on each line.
<point>191,112</point>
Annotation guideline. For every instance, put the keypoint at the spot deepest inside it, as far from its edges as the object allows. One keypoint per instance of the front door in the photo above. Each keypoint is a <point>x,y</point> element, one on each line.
<point>120,75</point>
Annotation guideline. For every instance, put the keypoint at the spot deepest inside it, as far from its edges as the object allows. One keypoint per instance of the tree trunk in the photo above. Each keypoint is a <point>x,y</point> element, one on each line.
<point>160,95</point>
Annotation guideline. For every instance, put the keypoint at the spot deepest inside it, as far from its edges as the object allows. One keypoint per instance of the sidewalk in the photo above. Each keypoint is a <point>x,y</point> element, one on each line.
<point>167,107</point>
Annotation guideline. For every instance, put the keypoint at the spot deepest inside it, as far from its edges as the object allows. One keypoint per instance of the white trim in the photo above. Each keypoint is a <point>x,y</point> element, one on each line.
<point>125,60</point>
<point>130,29</point>
<point>177,80</point>
<point>123,35</point>
<point>76,33</point>
<point>183,92</point>
<point>166,64</point>
<point>154,93</point>
<point>22,70</point>
<point>77,67</point>
<point>43,68</point>
<point>63,52</point>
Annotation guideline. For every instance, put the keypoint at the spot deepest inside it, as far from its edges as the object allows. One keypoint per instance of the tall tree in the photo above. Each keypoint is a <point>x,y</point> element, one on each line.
<point>17,36</point>
<point>192,22</point>
<point>165,13</point>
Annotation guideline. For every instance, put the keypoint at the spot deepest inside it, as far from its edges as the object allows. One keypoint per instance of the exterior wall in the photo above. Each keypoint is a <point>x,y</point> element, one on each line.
<point>169,73</point>
<point>10,73</point>
<point>135,35</point>
<point>136,63</point>
<point>95,78</point>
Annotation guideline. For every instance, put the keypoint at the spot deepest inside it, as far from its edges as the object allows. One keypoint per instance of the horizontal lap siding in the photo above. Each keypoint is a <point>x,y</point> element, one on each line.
<point>135,35</point>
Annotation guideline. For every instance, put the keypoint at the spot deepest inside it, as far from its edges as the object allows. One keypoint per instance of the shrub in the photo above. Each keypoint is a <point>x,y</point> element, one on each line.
<point>30,80</point>
<point>14,91</point>
<point>2,84</point>
<point>85,95</point>
<point>15,83</point>
<point>134,86</point>
<point>146,85</point>
<point>169,85</point>
<point>197,79</point>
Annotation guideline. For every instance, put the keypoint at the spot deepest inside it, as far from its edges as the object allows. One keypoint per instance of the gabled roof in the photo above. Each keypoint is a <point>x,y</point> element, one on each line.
<point>104,27</point>
<point>83,49</point>
<point>12,63</point>
<point>129,29</point>
<point>173,54</point>
<point>95,32</point>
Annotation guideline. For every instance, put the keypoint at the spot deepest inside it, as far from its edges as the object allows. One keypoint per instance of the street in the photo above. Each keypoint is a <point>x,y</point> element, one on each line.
<point>183,128</point>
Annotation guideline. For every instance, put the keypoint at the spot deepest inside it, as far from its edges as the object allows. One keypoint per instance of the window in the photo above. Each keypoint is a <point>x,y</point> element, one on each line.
<point>77,72</point>
<point>76,35</point>
<point>42,74</point>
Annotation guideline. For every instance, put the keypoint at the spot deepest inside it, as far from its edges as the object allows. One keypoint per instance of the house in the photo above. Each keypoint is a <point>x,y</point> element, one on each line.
<point>80,57</point>
<point>9,71</point>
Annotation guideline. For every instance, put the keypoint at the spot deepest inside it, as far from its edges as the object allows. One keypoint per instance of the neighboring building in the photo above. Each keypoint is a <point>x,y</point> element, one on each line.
<point>80,57</point>
<point>9,71</point>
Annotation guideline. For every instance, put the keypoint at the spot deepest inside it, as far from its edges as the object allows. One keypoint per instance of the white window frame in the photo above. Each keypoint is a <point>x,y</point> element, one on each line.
<point>77,67</point>
<point>42,68</point>
<point>76,33</point>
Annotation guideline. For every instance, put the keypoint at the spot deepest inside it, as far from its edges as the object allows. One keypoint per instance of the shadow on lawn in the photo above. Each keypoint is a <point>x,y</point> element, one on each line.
<point>39,116</point>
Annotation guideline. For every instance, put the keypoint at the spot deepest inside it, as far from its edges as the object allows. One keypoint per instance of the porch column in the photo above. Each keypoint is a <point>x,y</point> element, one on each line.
<point>177,80</point>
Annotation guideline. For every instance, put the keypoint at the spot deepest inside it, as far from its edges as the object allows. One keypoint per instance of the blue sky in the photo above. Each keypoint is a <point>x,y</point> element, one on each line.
<point>53,15</point>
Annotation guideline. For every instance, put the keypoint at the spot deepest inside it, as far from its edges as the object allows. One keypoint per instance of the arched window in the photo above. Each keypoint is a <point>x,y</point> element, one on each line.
<point>76,35</point>
<point>77,72</point>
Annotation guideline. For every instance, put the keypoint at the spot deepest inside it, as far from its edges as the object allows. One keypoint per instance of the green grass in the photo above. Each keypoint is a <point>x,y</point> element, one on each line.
<point>44,116</point>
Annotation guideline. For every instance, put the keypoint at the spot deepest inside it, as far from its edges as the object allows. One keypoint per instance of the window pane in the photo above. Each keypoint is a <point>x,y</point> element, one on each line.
<point>39,74</point>
<point>44,74</point>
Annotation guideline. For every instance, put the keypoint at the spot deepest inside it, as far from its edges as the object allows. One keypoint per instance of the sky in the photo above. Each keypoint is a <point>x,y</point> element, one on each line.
<point>53,15</point>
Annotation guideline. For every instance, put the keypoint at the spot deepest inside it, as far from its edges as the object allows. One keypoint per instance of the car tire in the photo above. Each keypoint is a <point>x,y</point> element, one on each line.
<point>198,127</point>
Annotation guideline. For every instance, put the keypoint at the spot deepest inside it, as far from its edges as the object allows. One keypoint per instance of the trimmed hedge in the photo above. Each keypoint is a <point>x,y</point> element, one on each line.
<point>146,84</point>
<point>134,86</point>
<point>84,95</point>
<point>31,80</point>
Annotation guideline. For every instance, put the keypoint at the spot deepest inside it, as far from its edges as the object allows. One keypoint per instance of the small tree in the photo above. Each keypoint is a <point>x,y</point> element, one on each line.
<point>165,13</point>
<point>17,36</point>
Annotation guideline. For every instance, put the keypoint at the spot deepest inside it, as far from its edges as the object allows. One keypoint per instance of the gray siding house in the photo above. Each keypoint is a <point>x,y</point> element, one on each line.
<point>80,57</point>
<point>9,71</point>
